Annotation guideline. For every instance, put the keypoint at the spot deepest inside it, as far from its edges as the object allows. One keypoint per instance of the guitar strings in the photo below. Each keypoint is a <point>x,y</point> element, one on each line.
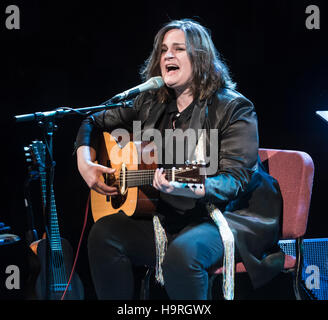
<point>137,175</point>
<point>57,274</point>
<point>58,267</point>
<point>149,173</point>
<point>134,178</point>
<point>53,220</point>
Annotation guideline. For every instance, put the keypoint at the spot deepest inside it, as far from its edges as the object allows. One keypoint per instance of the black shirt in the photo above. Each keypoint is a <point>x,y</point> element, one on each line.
<point>175,211</point>
<point>171,114</point>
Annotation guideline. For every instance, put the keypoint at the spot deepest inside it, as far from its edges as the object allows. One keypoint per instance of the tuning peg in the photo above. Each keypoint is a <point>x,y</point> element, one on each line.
<point>26,148</point>
<point>187,162</point>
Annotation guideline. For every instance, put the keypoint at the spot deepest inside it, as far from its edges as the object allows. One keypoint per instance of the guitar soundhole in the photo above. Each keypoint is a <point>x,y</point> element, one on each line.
<point>117,201</point>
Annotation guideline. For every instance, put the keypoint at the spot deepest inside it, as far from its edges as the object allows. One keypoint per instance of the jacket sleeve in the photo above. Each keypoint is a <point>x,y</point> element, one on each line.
<point>106,120</point>
<point>238,151</point>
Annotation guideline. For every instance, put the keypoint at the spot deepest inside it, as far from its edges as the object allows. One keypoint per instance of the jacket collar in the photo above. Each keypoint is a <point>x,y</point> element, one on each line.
<point>156,111</point>
<point>198,116</point>
<point>196,122</point>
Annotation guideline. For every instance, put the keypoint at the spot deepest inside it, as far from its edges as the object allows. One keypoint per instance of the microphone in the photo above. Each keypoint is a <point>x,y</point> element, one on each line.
<point>151,84</point>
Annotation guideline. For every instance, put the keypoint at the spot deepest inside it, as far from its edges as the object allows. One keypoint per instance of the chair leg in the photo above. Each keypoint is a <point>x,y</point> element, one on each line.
<point>144,291</point>
<point>299,266</point>
<point>211,279</point>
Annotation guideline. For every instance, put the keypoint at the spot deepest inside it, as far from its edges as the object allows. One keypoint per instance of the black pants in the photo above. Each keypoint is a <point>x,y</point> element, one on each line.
<point>117,243</point>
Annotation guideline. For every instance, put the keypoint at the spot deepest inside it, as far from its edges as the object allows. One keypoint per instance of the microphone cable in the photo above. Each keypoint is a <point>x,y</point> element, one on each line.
<point>78,247</point>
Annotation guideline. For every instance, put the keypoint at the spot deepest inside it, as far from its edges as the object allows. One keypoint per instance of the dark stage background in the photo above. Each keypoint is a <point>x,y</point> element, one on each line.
<point>78,54</point>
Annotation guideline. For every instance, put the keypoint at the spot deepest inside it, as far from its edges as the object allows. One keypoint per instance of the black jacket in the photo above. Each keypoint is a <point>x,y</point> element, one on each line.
<point>249,198</point>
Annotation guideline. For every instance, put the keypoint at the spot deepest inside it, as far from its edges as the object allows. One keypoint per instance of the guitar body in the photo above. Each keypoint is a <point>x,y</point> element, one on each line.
<point>60,265</point>
<point>139,200</point>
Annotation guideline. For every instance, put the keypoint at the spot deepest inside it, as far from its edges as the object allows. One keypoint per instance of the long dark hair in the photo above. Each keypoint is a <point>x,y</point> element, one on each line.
<point>209,71</point>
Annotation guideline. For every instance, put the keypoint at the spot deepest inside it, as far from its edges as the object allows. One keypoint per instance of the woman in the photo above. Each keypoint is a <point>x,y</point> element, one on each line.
<point>198,94</point>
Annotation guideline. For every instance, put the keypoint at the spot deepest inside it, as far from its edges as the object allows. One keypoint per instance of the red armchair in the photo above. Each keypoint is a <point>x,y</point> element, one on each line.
<point>294,171</point>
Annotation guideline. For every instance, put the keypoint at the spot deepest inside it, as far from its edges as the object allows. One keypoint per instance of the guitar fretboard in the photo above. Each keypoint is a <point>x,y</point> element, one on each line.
<point>54,234</point>
<point>137,178</point>
<point>58,277</point>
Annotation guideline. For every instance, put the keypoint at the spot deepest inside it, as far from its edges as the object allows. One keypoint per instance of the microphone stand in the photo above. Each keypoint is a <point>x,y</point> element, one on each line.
<point>46,120</point>
<point>64,111</point>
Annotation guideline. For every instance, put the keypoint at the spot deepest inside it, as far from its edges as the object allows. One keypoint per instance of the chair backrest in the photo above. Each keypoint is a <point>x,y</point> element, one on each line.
<point>294,171</point>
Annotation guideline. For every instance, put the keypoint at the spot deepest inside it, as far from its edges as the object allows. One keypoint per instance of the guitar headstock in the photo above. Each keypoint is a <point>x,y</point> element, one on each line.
<point>35,154</point>
<point>189,173</point>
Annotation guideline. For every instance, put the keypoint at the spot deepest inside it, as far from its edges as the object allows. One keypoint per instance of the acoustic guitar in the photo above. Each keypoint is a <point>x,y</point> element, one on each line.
<point>135,164</point>
<point>55,253</point>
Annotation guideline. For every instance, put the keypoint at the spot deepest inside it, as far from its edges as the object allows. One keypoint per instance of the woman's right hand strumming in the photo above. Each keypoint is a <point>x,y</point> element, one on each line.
<point>91,172</point>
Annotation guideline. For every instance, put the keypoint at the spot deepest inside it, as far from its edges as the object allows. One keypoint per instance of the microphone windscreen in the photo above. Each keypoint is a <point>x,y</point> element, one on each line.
<point>157,82</point>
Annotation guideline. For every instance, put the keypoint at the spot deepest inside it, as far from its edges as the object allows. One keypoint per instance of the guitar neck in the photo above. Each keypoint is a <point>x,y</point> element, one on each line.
<point>55,241</point>
<point>57,278</point>
<point>138,178</point>
<point>53,226</point>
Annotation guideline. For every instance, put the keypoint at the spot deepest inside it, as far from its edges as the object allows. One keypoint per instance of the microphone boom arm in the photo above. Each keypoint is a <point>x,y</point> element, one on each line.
<point>64,111</point>
<point>118,100</point>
